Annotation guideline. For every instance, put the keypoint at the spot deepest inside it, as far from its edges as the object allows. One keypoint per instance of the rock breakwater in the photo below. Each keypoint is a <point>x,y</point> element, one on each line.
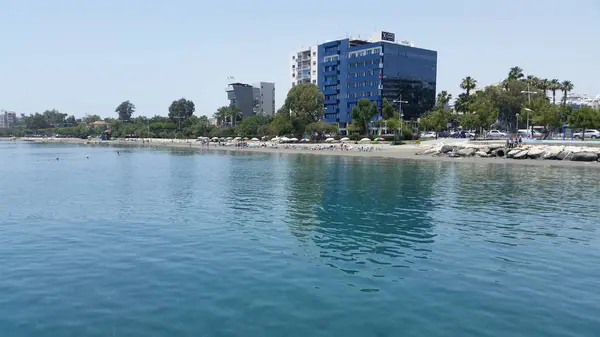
<point>537,152</point>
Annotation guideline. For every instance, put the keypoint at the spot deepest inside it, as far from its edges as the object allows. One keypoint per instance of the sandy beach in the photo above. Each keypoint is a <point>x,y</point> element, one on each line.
<point>400,152</point>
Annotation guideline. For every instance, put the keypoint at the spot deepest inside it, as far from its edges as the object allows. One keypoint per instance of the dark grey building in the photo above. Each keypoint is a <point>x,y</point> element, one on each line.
<point>245,97</point>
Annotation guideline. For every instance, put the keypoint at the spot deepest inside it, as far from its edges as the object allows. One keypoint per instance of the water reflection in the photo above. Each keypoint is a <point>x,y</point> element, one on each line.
<point>359,221</point>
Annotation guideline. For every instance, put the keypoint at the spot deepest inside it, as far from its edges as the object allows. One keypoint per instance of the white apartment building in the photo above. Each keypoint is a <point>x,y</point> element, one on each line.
<point>266,103</point>
<point>8,119</point>
<point>303,66</point>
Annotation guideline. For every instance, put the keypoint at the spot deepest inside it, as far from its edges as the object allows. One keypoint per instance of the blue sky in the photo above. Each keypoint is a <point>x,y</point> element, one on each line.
<point>85,57</point>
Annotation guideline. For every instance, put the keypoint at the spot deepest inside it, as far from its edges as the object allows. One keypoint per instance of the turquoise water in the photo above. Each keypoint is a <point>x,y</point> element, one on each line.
<point>178,243</point>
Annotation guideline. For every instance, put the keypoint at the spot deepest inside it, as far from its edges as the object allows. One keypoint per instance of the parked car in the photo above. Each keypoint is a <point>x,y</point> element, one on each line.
<point>527,133</point>
<point>589,133</point>
<point>496,134</point>
<point>427,135</point>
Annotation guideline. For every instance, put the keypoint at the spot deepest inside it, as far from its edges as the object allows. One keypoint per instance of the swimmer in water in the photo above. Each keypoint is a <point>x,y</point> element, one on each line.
<point>118,153</point>
<point>56,158</point>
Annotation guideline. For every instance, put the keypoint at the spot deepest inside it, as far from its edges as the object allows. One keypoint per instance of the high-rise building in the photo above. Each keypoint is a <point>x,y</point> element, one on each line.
<point>8,119</point>
<point>349,69</point>
<point>304,65</point>
<point>252,100</point>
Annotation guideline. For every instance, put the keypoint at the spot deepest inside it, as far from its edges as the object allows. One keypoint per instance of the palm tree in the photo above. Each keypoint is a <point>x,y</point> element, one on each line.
<point>545,86</point>
<point>234,114</point>
<point>566,86</point>
<point>220,115</point>
<point>554,86</point>
<point>468,83</point>
<point>515,73</point>
<point>443,98</point>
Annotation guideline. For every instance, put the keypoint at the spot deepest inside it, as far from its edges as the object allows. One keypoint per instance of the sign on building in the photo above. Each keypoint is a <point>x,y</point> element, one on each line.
<point>387,36</point>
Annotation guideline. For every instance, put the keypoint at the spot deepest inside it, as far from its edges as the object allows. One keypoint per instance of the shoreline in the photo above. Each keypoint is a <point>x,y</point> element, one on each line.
<point>406,152</point>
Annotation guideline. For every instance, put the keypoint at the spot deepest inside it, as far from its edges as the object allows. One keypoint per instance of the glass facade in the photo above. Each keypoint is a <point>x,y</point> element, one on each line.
<point>409,74</point>
<point>351,70</point>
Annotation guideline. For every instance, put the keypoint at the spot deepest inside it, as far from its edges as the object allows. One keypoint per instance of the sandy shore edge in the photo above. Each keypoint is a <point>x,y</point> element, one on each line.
<point>401,152</point>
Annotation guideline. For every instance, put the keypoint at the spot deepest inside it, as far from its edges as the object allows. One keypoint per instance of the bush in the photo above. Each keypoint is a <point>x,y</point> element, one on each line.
<point>407,133</point>
<point>355,136</point>
<point>397,142</point>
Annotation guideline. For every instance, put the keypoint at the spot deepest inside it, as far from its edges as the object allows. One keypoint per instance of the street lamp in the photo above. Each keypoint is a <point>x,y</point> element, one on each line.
<point>517,123</point>
<point>529,93</point>
<point>528,111</point>
<point>400,114</point>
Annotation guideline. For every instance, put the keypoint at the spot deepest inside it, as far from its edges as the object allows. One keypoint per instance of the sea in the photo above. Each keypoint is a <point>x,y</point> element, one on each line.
<point>107,241</point>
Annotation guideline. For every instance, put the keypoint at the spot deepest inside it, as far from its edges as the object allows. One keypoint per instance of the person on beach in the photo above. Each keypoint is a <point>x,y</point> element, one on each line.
<point>520,141</point>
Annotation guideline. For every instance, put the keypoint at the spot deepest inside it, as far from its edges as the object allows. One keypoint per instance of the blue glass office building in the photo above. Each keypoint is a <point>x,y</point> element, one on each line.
<point>351,69</point>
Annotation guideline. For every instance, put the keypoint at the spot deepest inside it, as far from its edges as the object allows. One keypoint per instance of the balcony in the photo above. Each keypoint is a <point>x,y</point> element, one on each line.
<point>330,91</point>
<point>331,101</point>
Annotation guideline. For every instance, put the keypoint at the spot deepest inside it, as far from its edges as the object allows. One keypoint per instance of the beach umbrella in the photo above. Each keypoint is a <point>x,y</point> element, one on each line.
<point>284,139</point>
<point>254,139</point>
<point>305,140</point>
<point>215,138</point>
<point>246,138</point>
<point>228,138</point>
<point>237,138</point>
<point>293,139</point>
<point>365,140</point>
<point>345,139</point>
<point>329,140</point>
<point>379,139</point>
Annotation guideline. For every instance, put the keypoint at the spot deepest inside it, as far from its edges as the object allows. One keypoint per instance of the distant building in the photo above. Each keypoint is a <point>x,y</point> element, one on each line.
<point>8,119</point>
<point>350,69</point>
<point>252,100</point>
<point>576,100</point>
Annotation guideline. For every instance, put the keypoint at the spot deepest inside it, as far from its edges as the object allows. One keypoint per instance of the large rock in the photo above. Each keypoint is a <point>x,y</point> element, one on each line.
<point>563,154</point>
<point>535,152</point>
<point>433,150</point>
<point>512,153</point>
<point>521,155</point>
<point>485,149</point>
<point>467,152</point>
<point>448,148</point>
<point>552,152</point>
<point>584,156</point>
<point>482,154</point>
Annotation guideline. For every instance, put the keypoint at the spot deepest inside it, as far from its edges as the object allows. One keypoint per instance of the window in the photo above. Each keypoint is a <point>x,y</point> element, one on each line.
<point>293,66</point>
<point>314,63</point>
<point>314,81</point>
<point>314,72</point>
<point>314,53</point>
<point>293,57</point>
<point>293,75</point>
<point>369,52</point>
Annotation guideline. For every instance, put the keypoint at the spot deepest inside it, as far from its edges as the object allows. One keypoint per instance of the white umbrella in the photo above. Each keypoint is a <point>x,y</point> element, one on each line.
<point>237,138</point>
<point>365,140</point>
<point>228,138</point>
<point>345,139</point>
<point>284,139</point>
<point>254,139</point>
<point>329,140</point>
<point>293,139</point>
<point>215,138</point>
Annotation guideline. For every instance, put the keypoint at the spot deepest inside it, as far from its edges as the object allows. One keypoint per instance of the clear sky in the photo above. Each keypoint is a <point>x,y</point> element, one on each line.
<point>86,56</point>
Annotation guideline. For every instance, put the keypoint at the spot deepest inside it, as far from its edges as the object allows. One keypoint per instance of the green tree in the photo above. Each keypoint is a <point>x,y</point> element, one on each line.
<point>91,118</point>
<point>515,73</point>
<point>554,86</point>
<point>234,114</point>
<point>181,109</point>
<point>443,98</point>
<point>281,124</point>
<point>125,111</point>
<point>583,118</point>
<point>221,115</point>
<point>467,84</point>
<point>362,114</point>
<point>566,87</point>
<point>394,123</point>
<point>387,109</point>
<point>304,104</point>
<point>320,129</point>
<point>250,125</point>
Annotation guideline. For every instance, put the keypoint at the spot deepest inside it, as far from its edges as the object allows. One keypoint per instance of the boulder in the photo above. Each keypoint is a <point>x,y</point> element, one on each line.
<point>535,152</point>
<point>430,151</point>
<point>512,153</point>
<point>584,156</point>
<point>482,154</point>
<point>563,154</point>
<point>448,148</point>
<point>467,152</point>
<point>552,152</point>
<point>521,155</point>
<point>485,149</point>
<point>453,154</point>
